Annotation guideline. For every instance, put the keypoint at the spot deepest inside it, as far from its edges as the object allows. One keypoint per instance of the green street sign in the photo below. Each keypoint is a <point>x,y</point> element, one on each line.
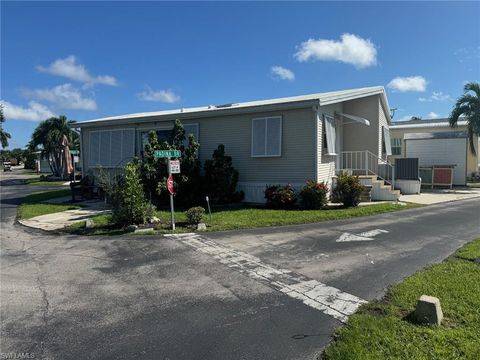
<point>167,154</point>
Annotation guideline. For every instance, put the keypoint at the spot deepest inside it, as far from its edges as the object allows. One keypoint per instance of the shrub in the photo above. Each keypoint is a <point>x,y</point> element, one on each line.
<point>313,195</point>
<point>129,204</point>
<point>347,190</point>
<point>195,215</point>
<point>280,197</point>
<point>221,178</point>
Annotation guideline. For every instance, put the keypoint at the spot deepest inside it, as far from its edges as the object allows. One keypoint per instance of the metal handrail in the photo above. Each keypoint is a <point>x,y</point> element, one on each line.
<point>368,163</point>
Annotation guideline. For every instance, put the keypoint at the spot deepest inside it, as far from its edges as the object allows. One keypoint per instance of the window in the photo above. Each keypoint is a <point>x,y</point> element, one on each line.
<point>386,145</point>
<point>165,134</point>
<point>267,136</point>
<point>396,146</point>
<point>111,148</point>
<point>190,129</point>
<point>330,134</point>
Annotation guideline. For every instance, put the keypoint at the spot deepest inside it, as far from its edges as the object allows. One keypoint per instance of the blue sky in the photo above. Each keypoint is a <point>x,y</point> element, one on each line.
<point>89,60</point>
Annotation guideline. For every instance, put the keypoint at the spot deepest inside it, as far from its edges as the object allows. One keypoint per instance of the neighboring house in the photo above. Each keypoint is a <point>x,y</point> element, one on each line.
<point>434,142</point>
<point>276,141</point>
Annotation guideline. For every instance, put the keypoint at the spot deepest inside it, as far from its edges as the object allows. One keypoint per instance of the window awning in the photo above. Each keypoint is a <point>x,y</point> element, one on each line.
<point>356,119</point>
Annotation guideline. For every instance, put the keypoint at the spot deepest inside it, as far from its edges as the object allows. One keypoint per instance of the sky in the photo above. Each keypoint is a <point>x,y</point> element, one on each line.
<point>87,60</point>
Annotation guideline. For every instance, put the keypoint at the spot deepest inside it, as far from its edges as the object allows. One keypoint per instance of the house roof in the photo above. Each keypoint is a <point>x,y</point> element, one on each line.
<point>427,123</point>
<point>318,99</point>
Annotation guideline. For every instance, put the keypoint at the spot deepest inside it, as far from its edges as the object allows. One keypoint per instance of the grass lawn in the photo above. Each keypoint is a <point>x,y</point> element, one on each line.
<point>251,217</point>
<point>39,182</point>
<point>37,204</point>
<point>381,329</point>
<point>474,184</point>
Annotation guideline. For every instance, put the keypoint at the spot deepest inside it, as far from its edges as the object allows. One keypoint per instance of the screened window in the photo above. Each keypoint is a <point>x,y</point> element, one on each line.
<point>111,148</point>
<point>267,136</point>
<point>396,146</point>
<point>162,136</point>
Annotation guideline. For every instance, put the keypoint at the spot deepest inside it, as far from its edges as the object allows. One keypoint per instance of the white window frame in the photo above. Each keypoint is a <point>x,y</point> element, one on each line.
<point>265,119</point>
<point>397,144</point>
<point>97,165</point>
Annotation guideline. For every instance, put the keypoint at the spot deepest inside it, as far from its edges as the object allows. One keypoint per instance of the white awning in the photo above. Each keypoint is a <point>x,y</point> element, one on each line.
<point>357,119</point>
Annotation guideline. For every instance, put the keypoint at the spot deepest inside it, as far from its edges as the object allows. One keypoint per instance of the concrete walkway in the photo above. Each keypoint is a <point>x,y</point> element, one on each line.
<point>429,197</point>
<point>60,220</point>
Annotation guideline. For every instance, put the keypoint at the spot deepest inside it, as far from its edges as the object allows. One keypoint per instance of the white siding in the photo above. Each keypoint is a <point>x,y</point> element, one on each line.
<point>440,152</point>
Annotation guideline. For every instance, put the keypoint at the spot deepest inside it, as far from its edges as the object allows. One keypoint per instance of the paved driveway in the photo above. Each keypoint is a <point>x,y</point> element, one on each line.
<point>66,297</point>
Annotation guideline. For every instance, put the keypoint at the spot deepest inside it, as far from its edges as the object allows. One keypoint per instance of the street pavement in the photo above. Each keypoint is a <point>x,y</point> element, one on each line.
<point>153,297</point>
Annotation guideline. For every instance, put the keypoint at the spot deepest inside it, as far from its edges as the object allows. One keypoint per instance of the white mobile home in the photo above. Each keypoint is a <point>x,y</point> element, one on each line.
<point>434,142</point>
<point>276,141</point>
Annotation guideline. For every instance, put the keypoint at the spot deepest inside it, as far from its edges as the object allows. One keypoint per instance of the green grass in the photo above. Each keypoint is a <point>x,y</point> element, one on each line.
<point>40,182</point>
<point>474,185</point>
<point>248,218</point>
<point>382,329</point>
<point>37,204</point>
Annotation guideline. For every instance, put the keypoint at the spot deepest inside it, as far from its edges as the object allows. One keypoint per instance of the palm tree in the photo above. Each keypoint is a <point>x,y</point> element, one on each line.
<point>468,106</point>
<point>49,135</point>
<point>4,136</point>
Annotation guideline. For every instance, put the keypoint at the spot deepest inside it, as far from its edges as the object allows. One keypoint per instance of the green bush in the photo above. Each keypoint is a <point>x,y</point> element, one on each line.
<point>313,195</point>
<point>347,190</point>
<point>129,204</point>
<point>280,197</point>
<point>195,215</point>
<point>221,178</point>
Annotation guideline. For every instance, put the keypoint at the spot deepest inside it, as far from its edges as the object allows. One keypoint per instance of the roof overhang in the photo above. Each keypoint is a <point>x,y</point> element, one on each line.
<point>436,135</point>
<point>443,124</point>
<point>355,119</point>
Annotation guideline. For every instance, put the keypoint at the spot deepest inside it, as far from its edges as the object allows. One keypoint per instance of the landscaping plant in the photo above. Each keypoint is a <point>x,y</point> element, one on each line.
<point>195,215</point>
<point>347,190</point>
<point>221,178</point>
<point>280,197</point>
<point>313,195</point>
<point>129,203</point>
<point>154,172</point>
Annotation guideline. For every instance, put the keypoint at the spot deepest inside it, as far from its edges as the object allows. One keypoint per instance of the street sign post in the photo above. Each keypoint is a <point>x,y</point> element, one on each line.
<point>171,191</point>
<point>167,154</point>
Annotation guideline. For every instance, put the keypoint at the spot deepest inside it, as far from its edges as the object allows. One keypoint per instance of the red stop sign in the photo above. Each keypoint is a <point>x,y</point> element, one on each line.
<point>170,184</point>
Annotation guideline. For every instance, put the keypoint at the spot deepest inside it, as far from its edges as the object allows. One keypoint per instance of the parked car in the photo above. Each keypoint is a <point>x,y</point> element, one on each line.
<point>7,166</point>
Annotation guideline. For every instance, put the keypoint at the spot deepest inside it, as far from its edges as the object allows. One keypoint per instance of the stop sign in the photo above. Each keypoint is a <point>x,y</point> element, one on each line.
<point>170,184</point>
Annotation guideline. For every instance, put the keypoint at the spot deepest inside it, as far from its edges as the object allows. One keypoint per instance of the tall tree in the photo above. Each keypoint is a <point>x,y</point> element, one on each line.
<point>468,107</point>
<point>4,136</point>
<point>49,135</point>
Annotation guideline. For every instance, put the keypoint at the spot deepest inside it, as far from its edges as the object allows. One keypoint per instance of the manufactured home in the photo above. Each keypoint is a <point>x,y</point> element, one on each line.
<point>435,143</point>
<point>276,141</point>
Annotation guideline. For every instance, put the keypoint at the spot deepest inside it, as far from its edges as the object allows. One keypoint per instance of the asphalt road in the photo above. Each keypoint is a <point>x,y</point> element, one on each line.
<point>148,297</point>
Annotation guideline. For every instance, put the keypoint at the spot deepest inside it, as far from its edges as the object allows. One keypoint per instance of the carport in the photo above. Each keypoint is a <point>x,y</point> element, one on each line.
<point>440,148</point>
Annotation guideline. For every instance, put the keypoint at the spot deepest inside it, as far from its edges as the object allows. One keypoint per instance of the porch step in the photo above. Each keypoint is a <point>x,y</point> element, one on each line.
<point>366,195</point>
<point>379,190</point>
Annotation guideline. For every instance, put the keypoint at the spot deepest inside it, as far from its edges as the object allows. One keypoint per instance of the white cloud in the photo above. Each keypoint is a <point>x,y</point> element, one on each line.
<point>34,112</point>
<point>282,73</point>
<point>436,96</point>
<point>166,96</point>
<point>410,83</point>
<point>63,96</point>
<point>70,69</point>
<point>433,115</point>
<point>351,49</point>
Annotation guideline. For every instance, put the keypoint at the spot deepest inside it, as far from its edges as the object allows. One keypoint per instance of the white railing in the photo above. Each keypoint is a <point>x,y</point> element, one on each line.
<point>367,163</point>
